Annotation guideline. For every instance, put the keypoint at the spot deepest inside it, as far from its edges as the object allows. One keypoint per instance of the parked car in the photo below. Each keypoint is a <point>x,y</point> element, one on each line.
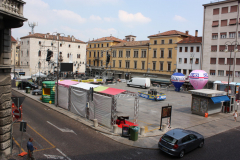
<point>178,141</point>
<point>37,92</point>
<point>139,82</point>
<point>25,84</point>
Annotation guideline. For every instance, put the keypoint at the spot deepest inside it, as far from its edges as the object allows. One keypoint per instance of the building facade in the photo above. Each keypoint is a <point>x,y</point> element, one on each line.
<point>11,16</point>
<point>34,47</point>
<point>220,40</point>
<point>189,52</point>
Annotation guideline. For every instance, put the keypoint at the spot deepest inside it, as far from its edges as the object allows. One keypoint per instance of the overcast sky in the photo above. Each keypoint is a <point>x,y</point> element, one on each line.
<point>88,19</point>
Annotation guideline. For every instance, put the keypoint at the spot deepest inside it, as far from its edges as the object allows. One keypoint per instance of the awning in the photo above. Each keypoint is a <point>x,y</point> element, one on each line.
<point>233,21</point>
<point>215,24</point>
<point>100,88</point>
<point>220,99</point>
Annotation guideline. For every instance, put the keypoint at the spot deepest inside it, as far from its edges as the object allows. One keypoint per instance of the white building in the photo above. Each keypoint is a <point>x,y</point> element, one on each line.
<point>219,28</point>
<point>189,52</point>
<point>34,52</point>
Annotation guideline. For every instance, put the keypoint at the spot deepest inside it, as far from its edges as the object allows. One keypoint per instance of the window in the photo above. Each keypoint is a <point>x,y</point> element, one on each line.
<point>237,61</point>
<point>222,48</point>
<point>113,63</point>
<point>98,54</point>
<point>94,45</point>
<point>78,55</point>
<point>154,66</point>
<point>143,64</point>
<point>191,60</point>
<point>101,53</point>
<point>179,71</point>
<point>27,42</point>
<point>212,72</point>
<point>233,21</point>
<point>94,54</point>
<point>233,9</point>
<point>78,46</point>
<point>101,63</point>
<point>155,41</point>
<point>39,42</point>
<point>107,45</point>
<point>214,48</point>
<point>102,45</point>
<point>223,23</point>
<point>120,64</point>
<point>237,73</point>
<point>229,73</point>
<point>215,11</point>
<point>185,60</point>
<point>220,72</point>
<point>39,53</point>
<point>135,54</point>
<point>161,66</point>
<point>27,53</point>
<point>127,64</point>
<point>180,49</point>
<point>170,41</point>
<point>144,53</point>
<point>184,71</point>
<point>223,35</point>
<point>232,34</point>
<point>230,48</point>
<point>162,41</point>
<point>215,23</point>
<point>60,44</point>
<point>162,53</point>
<point>186,49</point>
<point>238,34</point>
<point>51,44</point>
<point>169,66</point>
<point>22,44</point>
<point>169,53</point>
<point>214,35</point>
<point>135,64</point>
<point>89,62</point>
<point>198,49</point>
<point>68,55</point>
<point>27,63</point>
<point>114,53</point>
<point>180,60</point>
<point>191,50</point>
<point>69,46</point>
<point>128,54</point>
<point>98,45</point>
<point>197,61</point>
<point>89,54</point>
<point>22,53</point>
<point>212,60</point>
<point>154,53</point>
<point>120,54</point>
<point>224,10</point>
<point>229,60</point>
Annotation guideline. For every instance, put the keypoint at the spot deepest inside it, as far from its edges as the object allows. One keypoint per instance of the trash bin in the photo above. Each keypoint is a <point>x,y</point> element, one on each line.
<point>27,89</point>
<point>134,133</point>
<point>129,131</point>
<point>125,130</point>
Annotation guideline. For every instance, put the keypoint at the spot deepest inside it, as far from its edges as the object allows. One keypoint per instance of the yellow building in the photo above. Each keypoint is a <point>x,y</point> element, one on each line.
<point>97,51</point>
<point>163,53</point>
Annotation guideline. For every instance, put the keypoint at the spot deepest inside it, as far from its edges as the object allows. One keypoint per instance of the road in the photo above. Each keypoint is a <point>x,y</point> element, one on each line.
<point>59,137</point>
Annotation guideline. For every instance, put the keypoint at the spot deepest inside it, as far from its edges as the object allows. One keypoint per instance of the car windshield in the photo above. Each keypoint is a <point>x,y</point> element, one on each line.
<point>169,139</point>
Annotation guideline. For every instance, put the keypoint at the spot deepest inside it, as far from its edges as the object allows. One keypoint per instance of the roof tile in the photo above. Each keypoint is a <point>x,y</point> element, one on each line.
<point>168,33</point>
<point>132,43</point>
<point>111,38</point>
<point>191,40</point>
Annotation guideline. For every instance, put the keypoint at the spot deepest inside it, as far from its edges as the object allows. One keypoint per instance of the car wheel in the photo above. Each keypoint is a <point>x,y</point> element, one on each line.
<point>128,85</point>
<point>36,93</point>
<point>201,144</point>
<point>181,154</point>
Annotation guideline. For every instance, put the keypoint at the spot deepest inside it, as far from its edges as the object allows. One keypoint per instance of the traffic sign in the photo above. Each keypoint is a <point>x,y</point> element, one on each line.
<point>17,114</point>
<point>18,101</point>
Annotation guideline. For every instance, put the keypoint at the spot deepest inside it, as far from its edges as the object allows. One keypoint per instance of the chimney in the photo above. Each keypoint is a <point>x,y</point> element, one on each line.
<point>29,33</point>
<point>187,32</point>
<point>110,35</point>
<point>68,36</point>
<point>196,33</point>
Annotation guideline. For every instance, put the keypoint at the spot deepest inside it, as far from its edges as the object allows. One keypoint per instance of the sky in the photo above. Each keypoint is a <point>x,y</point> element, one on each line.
<point>88,19</point>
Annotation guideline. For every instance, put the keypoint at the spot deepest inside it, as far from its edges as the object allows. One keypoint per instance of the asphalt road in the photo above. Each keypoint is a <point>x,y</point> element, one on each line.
<point>59,137</point>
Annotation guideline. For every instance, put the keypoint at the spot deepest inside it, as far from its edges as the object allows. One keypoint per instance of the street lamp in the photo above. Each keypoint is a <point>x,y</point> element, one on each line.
<point>192,56</point>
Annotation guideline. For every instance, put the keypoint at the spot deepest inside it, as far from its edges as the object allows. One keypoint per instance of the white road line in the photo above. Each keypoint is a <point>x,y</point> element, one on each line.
<point>63,154</point>
<point>53,156</point>
<point>62,129</point>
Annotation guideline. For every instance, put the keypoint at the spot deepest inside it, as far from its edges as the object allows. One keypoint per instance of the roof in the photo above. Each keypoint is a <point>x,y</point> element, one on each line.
<point>177,133</point>
<point>130,36</point>
<point>51,37</point>
<point>191,40</point>
<point>13,39</point>
<point>113,91</point>
<point>111,38</point>
<point>221,2</point>
<point>85,86</point>
<point>132,43</point>
<point>169,33</point>
<point>66,83</point>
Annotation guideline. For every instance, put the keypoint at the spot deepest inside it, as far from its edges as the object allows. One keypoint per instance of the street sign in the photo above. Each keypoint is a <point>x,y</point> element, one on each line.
<point>23,126</point>
<point>17,114</point>
<point>18,101</point>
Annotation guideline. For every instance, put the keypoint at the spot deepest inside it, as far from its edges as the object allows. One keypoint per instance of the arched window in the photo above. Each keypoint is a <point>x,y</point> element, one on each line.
<point>78,46</point>
<point>107,45</point>
<point>39,42</point>
<point>60,44</point>
<point>68,55</point>
<point>39,53</point>
<point>69,45</point>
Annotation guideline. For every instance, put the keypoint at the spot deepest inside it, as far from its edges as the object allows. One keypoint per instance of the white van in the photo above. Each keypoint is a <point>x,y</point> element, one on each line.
<point>141,82</point>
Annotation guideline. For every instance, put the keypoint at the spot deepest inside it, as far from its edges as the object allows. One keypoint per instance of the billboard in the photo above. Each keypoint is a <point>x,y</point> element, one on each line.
<point>66,67</point>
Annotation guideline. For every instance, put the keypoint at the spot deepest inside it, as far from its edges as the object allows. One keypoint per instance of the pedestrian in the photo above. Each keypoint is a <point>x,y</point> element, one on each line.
<point>30,149</point>
<point>235,114</point>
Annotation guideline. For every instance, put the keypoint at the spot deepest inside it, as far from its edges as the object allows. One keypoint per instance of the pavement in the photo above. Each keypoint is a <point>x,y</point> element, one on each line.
<point>149,118</point>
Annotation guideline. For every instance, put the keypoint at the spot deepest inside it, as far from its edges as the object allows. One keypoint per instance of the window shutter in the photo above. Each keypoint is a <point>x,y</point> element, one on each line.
<point>213,48</point>
<point>237,61</point>
<point>216,11</point>
<point>213,61</point>
<point>233,9</point>
<point>232,21</point>
<point>221,60</point>
<point>222,48</point>
<point>230,61</point>
<point>224,10</point>
<point>215,24</point>
<point>223,22</point>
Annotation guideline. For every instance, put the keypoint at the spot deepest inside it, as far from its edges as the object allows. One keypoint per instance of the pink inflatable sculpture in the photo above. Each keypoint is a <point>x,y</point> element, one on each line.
<point>198,78</point>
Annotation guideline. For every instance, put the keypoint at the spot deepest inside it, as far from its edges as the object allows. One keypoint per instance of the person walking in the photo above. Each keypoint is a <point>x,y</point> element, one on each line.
<point>30,149</point>
<point>235,114</point>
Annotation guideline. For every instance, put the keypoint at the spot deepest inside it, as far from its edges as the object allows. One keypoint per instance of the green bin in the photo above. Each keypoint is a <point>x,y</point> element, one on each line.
<point>27,89</point>
<point>134,133</point>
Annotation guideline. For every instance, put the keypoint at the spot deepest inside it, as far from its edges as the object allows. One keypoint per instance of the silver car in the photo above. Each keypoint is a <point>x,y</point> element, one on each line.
<point>37,92</point>
<point>177,142</point>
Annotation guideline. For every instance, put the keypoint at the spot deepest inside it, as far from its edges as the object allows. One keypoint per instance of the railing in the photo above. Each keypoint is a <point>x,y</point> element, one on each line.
<point>12,6</point>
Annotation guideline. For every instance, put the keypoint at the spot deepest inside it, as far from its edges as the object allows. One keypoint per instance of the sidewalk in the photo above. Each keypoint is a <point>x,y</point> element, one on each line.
<point>208,127</point>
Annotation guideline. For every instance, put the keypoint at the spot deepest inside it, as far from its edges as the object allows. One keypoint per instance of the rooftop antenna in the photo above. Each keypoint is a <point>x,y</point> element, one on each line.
<point>32,25</point>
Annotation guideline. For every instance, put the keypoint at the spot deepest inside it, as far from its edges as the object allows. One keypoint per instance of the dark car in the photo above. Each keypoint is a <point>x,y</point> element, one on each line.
<point>25,84</point>
<point>177,142</point>
<point>37,92</point>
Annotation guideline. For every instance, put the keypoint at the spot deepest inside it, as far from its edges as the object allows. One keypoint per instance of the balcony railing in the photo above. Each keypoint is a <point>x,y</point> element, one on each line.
<point>12,6</point>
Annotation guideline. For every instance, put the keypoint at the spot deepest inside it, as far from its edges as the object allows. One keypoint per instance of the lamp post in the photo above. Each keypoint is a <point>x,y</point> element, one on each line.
<point>192,56</point>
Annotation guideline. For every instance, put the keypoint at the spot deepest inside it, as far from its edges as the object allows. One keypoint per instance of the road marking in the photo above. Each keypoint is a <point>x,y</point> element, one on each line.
<point>18,144</point>
<point>53,156</point>
<point>146,129</point>
<point>63,154</point>
<point>62,129</point>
